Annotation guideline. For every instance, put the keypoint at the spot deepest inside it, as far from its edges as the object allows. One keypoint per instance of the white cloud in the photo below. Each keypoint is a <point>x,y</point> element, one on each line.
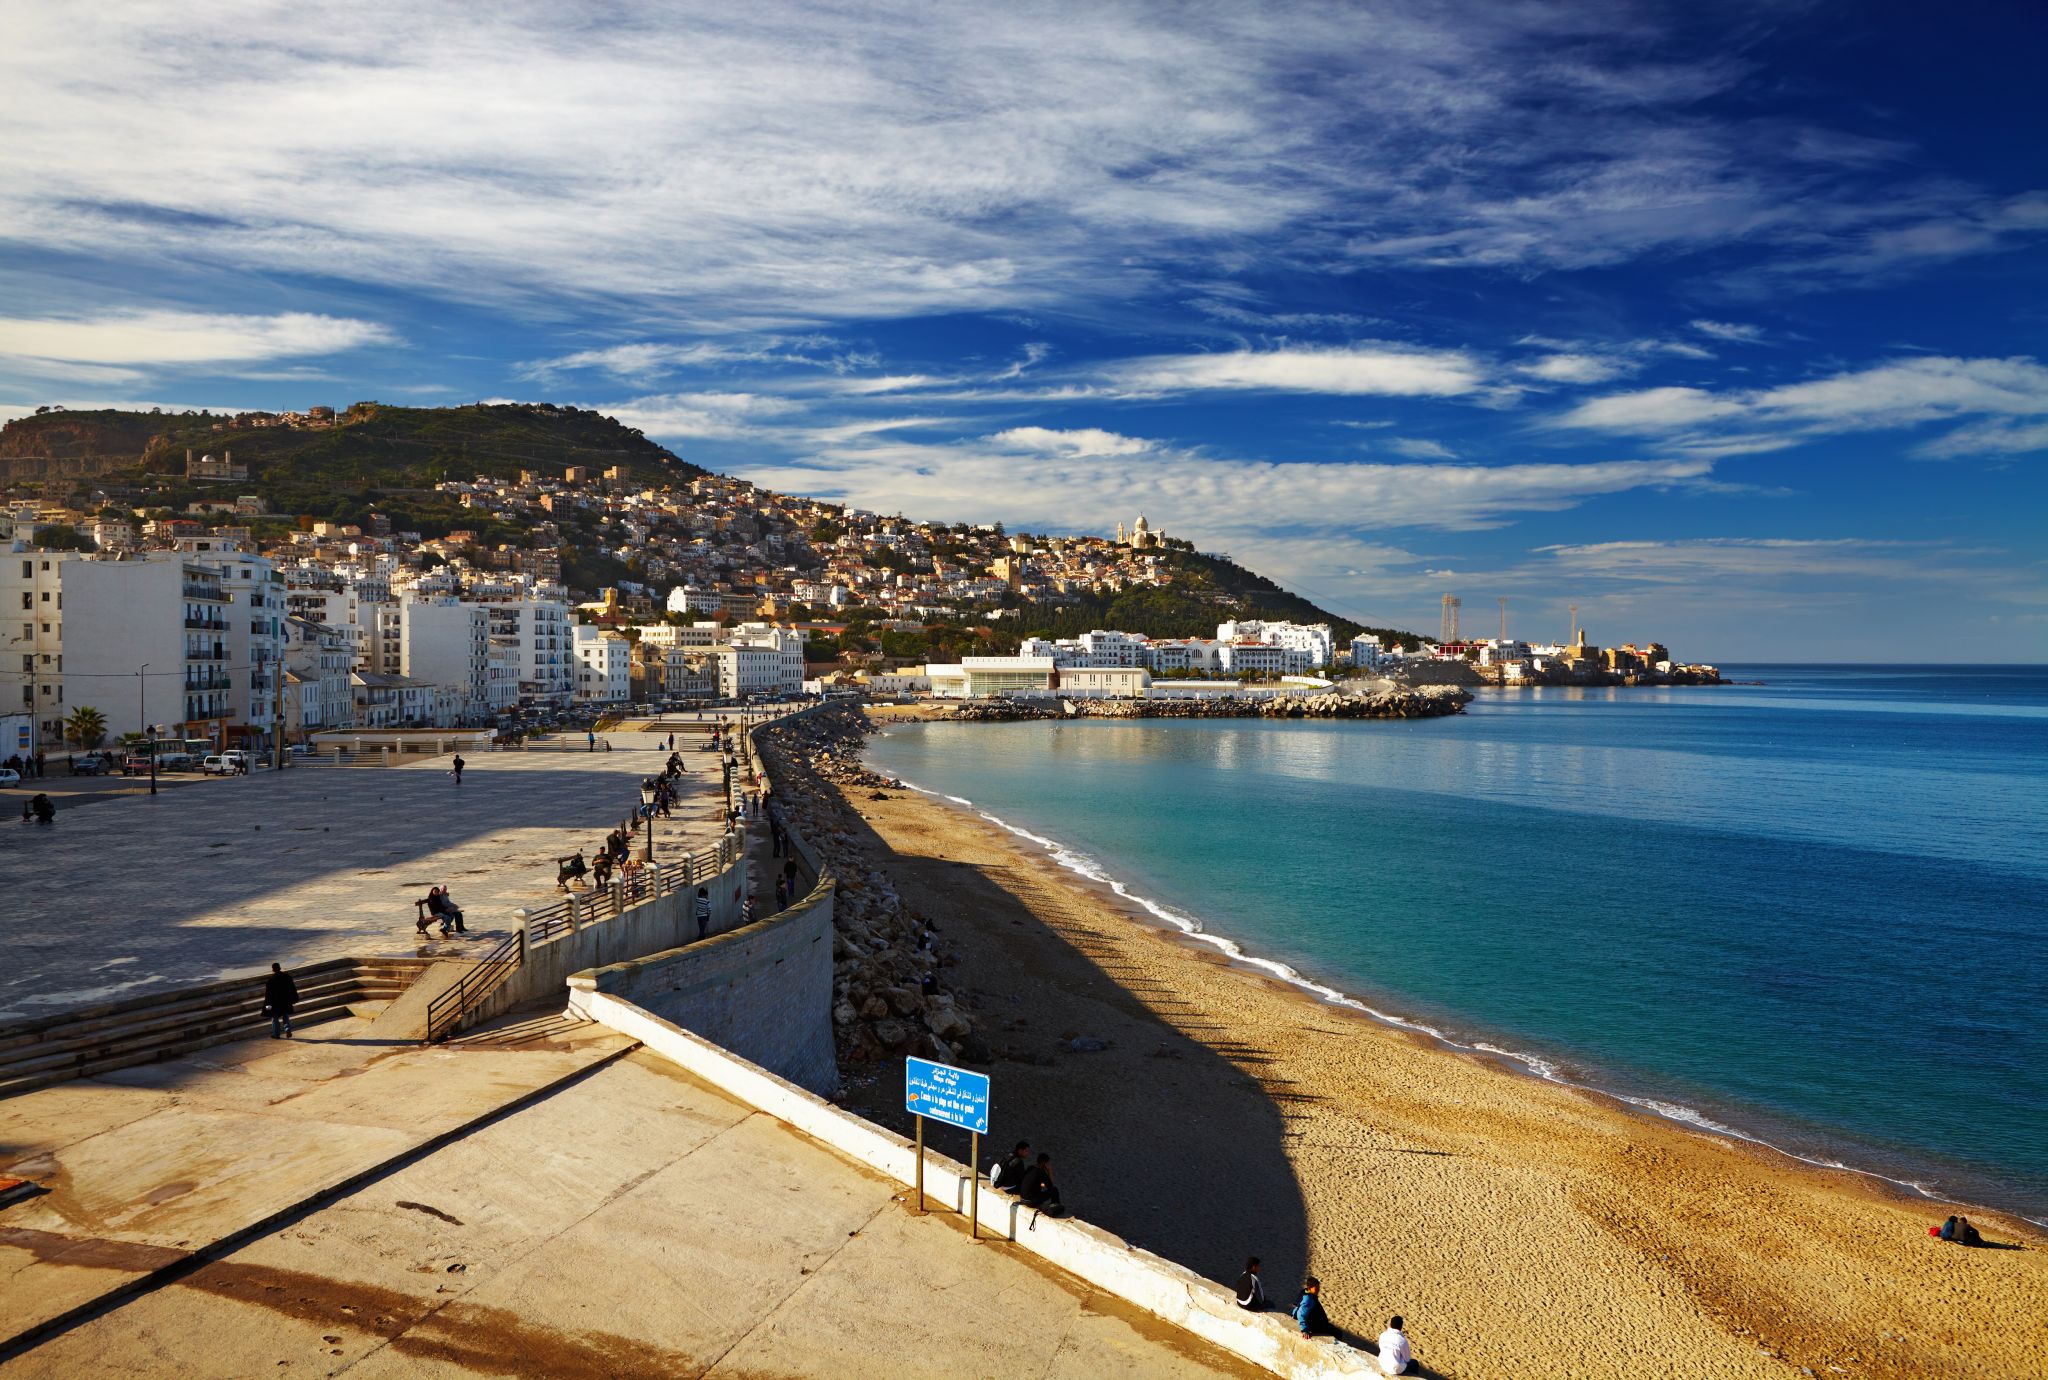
<point>1416,449</point>
<point>1213,500</point>
<point>1577,368</point>
<point>1707,560</point>
<point>1387,370</point>
<point>1083,441</point>
<point>703,415</point>
<point>1904,393</point>
<point>123,346</point>
<point>1732,331</point>
<point>804,162</point>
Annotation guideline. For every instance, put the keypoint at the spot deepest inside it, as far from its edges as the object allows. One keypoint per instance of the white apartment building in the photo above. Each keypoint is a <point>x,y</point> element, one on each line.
<point>149,636</point>
<point>747,670</point>
<point>1106,682</point>
<point>540,632</point>
<point>787,677</point>
<point>32,640</point>
<point>604,666</point>
<point>447,642</point>
<point>1099,648</point>
<point>317,663</point>
<point>689,599</point>
<point>1313,639</point>
<point>1186,654</point>
<point>254,637</point>
<point>1366,652</point>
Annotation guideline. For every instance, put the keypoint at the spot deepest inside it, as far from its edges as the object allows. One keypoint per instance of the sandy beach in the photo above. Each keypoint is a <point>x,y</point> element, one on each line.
<point>1521,1227</point>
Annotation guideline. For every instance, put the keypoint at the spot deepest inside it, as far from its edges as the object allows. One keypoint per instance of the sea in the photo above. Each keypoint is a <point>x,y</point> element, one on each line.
<point>1809,910</point>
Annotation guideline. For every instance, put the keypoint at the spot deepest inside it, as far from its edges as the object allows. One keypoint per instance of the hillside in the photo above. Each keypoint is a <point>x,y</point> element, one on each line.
<point>332,470</point>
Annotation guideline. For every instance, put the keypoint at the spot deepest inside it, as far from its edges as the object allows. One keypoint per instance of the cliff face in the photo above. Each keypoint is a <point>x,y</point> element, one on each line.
<point>58,445</point>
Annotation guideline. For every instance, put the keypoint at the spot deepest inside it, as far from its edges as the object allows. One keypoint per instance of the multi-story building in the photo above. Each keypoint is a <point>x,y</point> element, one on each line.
<point>1313,639</point>
<point>977,677</point>
<point>150,636</point>
<point>448,642</point>
<point>317,663</point>
<point>539,631</point>
<point>32,640</point>
<point>604,666</point>
<point>254,638</point>
<point>787,644</point>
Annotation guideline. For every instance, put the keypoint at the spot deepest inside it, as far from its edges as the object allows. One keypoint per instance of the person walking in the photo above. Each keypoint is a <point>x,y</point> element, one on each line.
<point>1308,1314</point>
<point>591,735</point>
<point>455,768</point>
<point>703,911</point>
<point>1251,1290</point>
<point>1395,1353</point>
<point>280,995</point>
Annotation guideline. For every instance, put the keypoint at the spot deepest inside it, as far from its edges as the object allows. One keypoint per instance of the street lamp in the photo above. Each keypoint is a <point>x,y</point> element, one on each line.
<point>142,714</point>
<point>647,793</point>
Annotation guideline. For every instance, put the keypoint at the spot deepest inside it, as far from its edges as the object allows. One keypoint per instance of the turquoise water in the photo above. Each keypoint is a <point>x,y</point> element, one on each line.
<point>1813,912</point>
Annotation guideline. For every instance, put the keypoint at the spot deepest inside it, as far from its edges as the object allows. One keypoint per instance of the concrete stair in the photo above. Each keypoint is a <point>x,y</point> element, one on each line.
<point>164,1025</point>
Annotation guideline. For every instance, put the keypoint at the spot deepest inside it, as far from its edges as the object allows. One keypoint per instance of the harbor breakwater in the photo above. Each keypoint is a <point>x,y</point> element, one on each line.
<point>1414,702</point>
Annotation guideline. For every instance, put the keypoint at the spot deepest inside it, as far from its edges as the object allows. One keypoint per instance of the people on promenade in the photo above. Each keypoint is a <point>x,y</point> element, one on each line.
<point>1395,1353</point>
<point>601,869</point>
<point>280,995</point>
<point>571,870</point>
<point>444,909</point>
<point>703,911</point>
<point>1308,1314</point>
<point>455,768</point>
<point>781,892</point>
<point>592,735</point>
<point>1037,1190</point>
<point>41,808</point>
<point>1251,1290</point>
<point>1010,1170</point>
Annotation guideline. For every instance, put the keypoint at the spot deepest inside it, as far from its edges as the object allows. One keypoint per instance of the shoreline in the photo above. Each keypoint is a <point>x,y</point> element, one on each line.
<point>1535,1204</point>
<point>1176,924</point>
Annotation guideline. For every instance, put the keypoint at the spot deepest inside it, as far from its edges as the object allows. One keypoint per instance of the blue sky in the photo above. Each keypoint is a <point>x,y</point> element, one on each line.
<point>1725,322</point>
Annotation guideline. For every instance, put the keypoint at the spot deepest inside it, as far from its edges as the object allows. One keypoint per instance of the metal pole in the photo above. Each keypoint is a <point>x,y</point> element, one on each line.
<point>920,1166</point>
<point>974,1185</point>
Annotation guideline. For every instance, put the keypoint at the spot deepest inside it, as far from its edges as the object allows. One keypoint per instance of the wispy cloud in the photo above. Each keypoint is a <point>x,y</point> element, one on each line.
<point>1387,370</point>
<point>121,345</point>
<point>1901,394</point>
<point>1734,332</point>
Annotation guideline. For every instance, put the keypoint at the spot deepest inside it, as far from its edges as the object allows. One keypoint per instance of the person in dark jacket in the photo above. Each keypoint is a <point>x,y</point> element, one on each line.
<point>1251,1290</point>
<point>1010,1172</point>
<point>1308,1314</point>
<point>280,995</point>
<point>1037,1190</point>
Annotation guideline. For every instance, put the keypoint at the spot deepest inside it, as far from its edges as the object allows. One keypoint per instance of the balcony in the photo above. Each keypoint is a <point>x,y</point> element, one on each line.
<point>207,624</point>
<point>216,652</point>
<point>206,593</point>
<point>213,681</point>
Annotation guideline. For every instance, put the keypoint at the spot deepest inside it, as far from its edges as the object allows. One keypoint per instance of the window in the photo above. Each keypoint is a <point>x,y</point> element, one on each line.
<point>28,568</point>
<point>27,600</point>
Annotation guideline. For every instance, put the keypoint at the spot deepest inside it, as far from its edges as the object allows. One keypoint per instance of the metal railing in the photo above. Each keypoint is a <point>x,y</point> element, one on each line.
<point>446,1011</point>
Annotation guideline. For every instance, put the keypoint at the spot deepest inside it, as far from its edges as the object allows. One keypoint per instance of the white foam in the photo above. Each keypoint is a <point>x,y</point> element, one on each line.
<point>1692,1118</point>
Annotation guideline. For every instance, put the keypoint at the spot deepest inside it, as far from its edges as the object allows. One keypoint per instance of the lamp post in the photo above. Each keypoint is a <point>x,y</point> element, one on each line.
<point>142,714</point>
<point>647,813</point>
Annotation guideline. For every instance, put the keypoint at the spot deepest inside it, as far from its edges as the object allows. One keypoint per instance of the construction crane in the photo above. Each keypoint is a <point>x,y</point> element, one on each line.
<point>1450,627</point>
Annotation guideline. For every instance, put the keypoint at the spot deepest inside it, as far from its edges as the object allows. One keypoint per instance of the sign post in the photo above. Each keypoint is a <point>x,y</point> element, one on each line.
<point>958,1097</point>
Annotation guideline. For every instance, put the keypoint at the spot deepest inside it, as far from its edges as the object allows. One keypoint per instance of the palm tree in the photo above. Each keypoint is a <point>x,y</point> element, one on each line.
<point>86,727</point>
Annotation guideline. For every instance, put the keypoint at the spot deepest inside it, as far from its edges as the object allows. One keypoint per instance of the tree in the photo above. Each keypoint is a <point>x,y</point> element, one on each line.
<point>86,727</point>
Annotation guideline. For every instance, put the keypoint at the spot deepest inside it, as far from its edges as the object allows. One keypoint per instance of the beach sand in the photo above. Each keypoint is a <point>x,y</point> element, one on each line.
<point>1521,1227</point>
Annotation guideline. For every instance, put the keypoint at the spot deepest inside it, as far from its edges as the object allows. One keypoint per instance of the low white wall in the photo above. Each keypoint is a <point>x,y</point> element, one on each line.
<point>1108,1262</point>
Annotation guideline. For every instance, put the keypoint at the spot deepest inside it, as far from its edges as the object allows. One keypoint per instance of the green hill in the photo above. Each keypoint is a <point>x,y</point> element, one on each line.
<point>371,452</point>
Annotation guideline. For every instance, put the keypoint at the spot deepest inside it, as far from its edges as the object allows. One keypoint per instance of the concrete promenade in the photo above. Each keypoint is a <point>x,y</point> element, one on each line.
<point>631,1222</point>
<point>223,877</point>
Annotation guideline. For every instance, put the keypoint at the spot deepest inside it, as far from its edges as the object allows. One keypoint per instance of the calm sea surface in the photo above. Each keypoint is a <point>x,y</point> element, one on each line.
<point>1813,911</point>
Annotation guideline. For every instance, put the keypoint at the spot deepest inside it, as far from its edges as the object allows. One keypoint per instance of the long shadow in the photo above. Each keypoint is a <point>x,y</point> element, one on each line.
<point>125,899</point>
<point>1171,1143</point>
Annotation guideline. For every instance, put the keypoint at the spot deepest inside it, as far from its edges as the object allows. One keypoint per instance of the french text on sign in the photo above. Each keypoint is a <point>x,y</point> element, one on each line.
<point>958,1097</point>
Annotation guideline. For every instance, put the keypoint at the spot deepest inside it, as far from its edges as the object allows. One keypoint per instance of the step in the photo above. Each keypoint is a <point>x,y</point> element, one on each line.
<point>173,997</point>
<point>161,1025</point>
<point>12,1082</point>
<point>168,1017</point>
<point>143,1046</point>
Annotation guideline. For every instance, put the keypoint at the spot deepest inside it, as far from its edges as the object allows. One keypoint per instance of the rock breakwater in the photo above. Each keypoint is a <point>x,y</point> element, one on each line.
<point>1400,702</point>
<point>889,994</point>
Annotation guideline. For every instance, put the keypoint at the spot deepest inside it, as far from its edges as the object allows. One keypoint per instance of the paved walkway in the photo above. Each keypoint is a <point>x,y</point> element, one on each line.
<point>146,1165</point>
<point>635,1222</point>
<point>224,878</point>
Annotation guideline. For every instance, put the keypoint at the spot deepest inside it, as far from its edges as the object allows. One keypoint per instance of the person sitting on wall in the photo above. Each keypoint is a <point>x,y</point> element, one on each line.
<point>1308,1314</point>
<point>1009,1171</point>
<point>1037,1190</point>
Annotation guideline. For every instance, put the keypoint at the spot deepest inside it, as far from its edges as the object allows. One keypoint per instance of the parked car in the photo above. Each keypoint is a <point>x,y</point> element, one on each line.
<point>92,764</point>
<point>9,777</point>
<point>218,765</point>
<point>172,761</point>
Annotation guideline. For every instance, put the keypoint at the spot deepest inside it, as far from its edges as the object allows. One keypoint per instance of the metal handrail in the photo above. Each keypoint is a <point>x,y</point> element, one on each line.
<point>447,1010</point>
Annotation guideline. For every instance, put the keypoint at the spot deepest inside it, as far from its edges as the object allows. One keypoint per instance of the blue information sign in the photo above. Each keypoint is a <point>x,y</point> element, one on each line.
<point>957,1097</point>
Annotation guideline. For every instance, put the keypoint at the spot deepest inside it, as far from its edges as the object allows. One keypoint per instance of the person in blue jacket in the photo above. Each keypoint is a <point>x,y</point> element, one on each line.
<point>1308,1314</point>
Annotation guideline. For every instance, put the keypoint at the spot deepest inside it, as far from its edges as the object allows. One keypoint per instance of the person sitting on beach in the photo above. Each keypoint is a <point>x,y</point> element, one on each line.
<point>1308,1314</point>
<point>1037,1190</point>
<point>1959,1230</point>
<point>1251,1290</point>
<point>1395,1353</point>
<point>1009,1172</point>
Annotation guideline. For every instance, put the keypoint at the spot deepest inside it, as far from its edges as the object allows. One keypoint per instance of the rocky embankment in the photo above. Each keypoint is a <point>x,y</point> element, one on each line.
<point>1399,702</point>
<point>889,994</point>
